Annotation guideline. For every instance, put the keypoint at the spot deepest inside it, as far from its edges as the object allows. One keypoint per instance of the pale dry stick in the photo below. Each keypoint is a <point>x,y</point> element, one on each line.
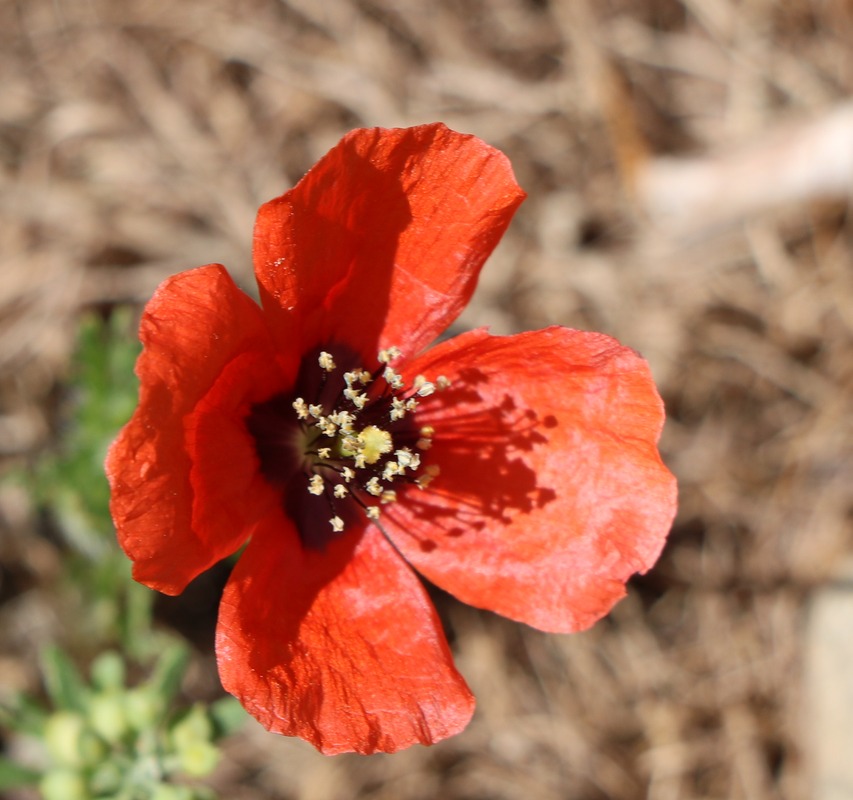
<point>735,28</point>
<point>601,89</point>
<point>690,53</point>
<point>749,766</point>
<point>767,361</point>
<point>802,162</point>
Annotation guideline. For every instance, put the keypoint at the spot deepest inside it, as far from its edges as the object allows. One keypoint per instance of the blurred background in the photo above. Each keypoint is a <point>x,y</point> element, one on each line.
<point>689,167</point>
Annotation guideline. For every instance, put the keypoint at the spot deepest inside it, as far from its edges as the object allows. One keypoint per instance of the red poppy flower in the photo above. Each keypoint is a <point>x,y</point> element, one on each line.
<point>520,473</point>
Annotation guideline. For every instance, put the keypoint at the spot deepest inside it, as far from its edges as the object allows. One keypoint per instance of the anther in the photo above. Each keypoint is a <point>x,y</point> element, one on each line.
<point>423,387</point>
<point>326,361</point>
<point>398,408</point>
<point>301,408</point>
<point>315,485</point>
<point>337,524</point>
<point>387,356</point>
<point>430,473</point>
<point>393,378</point>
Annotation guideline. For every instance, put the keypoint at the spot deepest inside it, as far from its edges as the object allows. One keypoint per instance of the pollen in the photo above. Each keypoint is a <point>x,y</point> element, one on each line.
<point>337,524</point>
<point>398,409</point>
<point>357,398</point>
<point>326,361</point>
<point>404,457</point>
<point>430,474</point>
<point>301,408</point>
<point>387,356</point>
<point>315,485</point>
<point>374,443</point>
<point>423,387</point>
<point>393,378</point>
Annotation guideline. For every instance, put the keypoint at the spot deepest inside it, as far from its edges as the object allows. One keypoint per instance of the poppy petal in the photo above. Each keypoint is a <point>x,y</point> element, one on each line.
<point>199,331</point>
<point>341,647</point>
<point>551,492</point>
<point>382,241</point>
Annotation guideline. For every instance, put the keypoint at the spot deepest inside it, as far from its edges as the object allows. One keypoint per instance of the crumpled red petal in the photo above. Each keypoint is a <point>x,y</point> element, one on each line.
<point>382,241</point>
<point>552,492</point>
<point>199,334</point>
<point>340,647</point>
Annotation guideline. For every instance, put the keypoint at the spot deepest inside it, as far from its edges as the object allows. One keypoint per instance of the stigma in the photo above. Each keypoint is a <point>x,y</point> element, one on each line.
<point>361,441</point>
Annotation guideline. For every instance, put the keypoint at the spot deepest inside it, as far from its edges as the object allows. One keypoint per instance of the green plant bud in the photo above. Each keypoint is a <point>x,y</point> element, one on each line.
<point>92,748</point>
<point>106,779</point>
<point>198,759</point>
<point>63,784</point>
<point>143,708</point>
<point>194,727</point>
<point>108,715</point>
<point>62,733</point>
<point>108,671</point>
<point>169,792</point>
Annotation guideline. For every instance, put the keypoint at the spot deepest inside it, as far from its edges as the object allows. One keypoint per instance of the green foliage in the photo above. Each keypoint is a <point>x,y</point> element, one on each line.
<point>70,485</point>
<point>13,775</point>
<point>101,397</point>
<point>104,740</point>
<point>101,738</point>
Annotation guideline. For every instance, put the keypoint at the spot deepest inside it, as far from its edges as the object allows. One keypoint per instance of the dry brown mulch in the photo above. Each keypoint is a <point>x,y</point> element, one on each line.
<point>138,138</point>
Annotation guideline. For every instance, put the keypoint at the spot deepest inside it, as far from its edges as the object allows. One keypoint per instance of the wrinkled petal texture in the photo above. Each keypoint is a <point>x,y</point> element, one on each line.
<point>340,647</point>
<point>382,241</point>
<point>551,492</point>
<point>183,472</point>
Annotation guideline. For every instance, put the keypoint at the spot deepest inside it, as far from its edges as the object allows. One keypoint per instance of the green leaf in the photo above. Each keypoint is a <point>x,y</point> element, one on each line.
<point>62,680</point>
<point>13,775</point>
<point>23,714</point>
<point>227,715</point>
<point>169,671</point>
<point>100,398</point>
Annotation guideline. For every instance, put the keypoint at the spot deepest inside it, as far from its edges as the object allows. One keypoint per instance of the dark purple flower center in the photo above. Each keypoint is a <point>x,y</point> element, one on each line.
<point>341,441</point>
